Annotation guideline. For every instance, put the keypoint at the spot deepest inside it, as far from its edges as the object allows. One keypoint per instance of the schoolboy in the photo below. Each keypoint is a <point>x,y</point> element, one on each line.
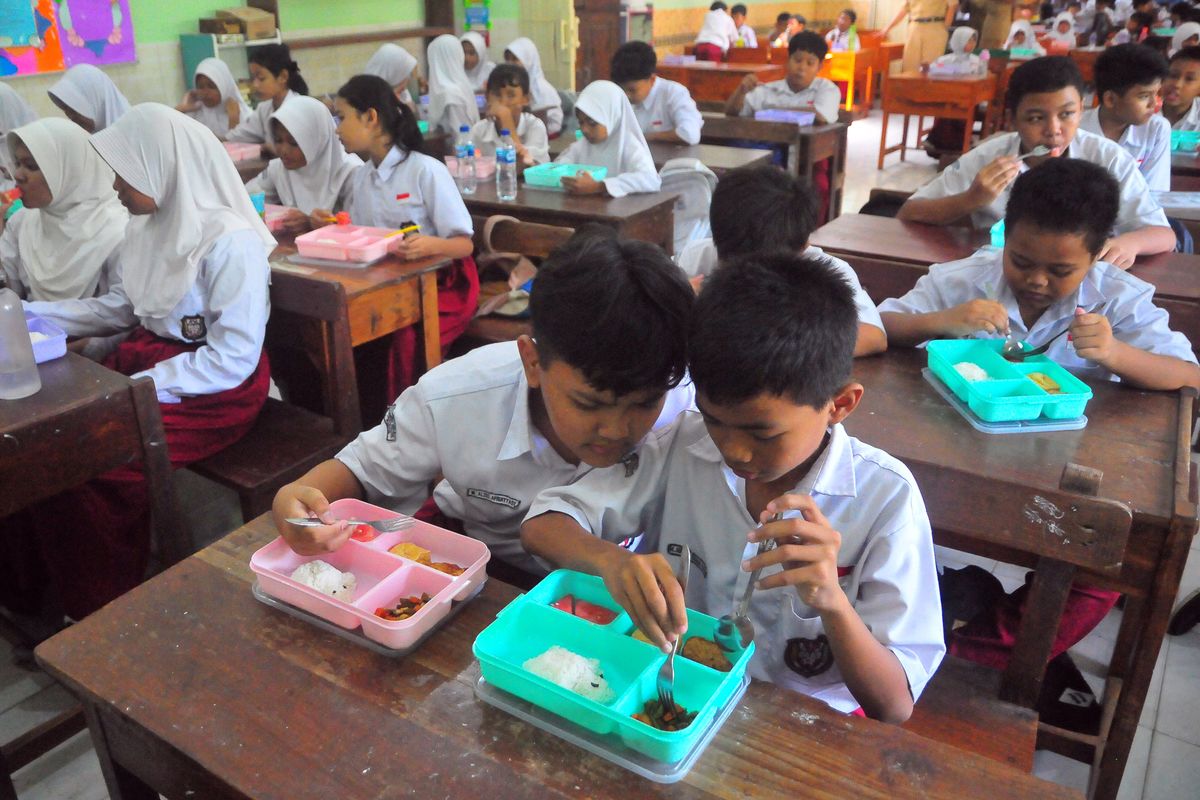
<point>838,38</point>
<point>606,360</point>
<point>1181,90</point>
<point>767,208</point>
<point>782,20</point>
<point>782,37</point>
<point>717,33</point>
<point>856,623</point>
<point>664,109</point>
<point>507,100</point>
<point>1044,100</point>
<point>1128,78</point>
<point>1134,26</point>
<point>746,34</point>
<point>801,89</point>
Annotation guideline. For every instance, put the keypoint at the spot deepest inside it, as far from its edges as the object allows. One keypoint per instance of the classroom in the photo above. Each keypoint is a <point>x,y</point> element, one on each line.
<point>372,375</point>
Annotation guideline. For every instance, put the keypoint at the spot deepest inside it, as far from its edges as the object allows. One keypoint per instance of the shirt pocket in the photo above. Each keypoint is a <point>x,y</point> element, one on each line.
<point>801,648</point>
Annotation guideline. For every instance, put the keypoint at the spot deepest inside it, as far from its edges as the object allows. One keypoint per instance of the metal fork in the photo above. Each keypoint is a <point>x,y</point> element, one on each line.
<point>666,673</point>
<point>381,525</point>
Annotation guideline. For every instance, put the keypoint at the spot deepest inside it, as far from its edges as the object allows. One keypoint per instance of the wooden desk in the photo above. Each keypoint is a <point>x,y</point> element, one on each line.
<point>853,68</point>
<point>714,82</point>
<point>716,157</point>
<point>1085,59</point>
<point>1185,172</point>
<point>648,217</point>
<point>193,688</point>
<point>911,93</point>
<point>251,168</point>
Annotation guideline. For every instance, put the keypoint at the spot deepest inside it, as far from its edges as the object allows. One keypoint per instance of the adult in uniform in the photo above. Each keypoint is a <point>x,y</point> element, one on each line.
<point>928,28</point>
<point>996,23</point>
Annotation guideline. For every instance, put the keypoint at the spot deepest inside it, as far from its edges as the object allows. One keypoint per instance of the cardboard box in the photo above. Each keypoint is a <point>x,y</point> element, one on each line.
<point>255,23</point>
<point>219,26</point>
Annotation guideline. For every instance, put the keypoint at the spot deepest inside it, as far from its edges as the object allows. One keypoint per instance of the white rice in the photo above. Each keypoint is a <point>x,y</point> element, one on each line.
<point>37,336</point>
<point>571,671</point>
<point>327,579</point>
<point>972,373</point>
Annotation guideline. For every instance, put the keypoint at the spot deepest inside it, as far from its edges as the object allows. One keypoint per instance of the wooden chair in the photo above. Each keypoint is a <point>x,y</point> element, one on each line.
<point>749,55</point>
<point>993,121</point>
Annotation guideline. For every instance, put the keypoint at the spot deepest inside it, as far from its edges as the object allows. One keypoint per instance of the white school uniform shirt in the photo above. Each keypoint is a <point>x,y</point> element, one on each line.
<point>1191,120</point>
<point>718,29</point>
<point>16,274</point>
<point>624,153</point>
<point>747,35</point>
<point>255,127</point>
<point>1148,145</point>
<point>1138,208</point>
<point>544,98</point>
<point>468,421</point>
<point>1125,299</point>
<point>821,96</point>
<point>838,40</point>
<point>669,107</point>
<point>433,200</point>
<point>700,258</point>
<point>682,493</point>
<point>531,130</point>
<point>216,119</point>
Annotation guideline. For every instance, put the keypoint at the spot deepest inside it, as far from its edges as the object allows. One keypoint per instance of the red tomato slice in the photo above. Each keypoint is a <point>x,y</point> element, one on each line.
<point>363,533</point>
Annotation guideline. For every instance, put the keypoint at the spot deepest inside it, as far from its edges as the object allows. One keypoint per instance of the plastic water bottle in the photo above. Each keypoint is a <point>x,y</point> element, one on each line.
<point>852,39</point>
<point>506,167</point>
<point>18,371</point>
<point>464,153</point>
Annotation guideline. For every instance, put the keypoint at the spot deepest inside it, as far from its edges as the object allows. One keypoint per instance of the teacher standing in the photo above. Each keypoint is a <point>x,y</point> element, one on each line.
<point>928,29</point>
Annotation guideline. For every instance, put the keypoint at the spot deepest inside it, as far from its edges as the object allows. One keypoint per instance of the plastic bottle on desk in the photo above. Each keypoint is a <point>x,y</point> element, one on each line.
<point>506,167</point>
<point>464,154</point>
<point>18,371</point>
<point>852,38</point>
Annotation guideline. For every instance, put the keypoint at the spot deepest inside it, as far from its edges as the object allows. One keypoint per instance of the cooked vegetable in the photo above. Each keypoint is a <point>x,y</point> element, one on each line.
<point>404,608</point>
<point>665,719</point>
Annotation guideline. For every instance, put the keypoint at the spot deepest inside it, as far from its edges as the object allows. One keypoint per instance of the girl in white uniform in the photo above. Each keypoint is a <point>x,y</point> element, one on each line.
<point>313,168</point>
<point>398,67</point>
<point>275,78</point>
<point>612,138</point>
<point>546,103</point>
<point>216,103</point>
<point>88,97</point>
<point>193,289</point>
<point>1063,29</point>
<point>476,60</point>
<point>1020,36</point>
<point>961,59</point>
<point>451,95</point>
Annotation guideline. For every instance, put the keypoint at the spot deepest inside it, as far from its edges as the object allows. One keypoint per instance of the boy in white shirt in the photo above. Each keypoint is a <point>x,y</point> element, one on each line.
<point>746,35</point>
<point>1181,90</point>
<point>507,98</point>
<point>1045,101</point>
<point>838,37</point>
<point>801,89</point>
<point>664,109</point>
<point>502,423</point>
<point>1128,78</point>
<point>717,33</point>
<point>847,608</point>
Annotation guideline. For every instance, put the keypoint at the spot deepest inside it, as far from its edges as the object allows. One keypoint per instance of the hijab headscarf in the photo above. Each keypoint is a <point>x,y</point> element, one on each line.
<point>1184,32</point>
<point>479,75</point>
<point>543,94</point>
<point>959,40</point>
<point>216,119</point>
<point>1030,43</point>
<point>14,112</point>
<point>1056,35</point>
<point>318,183</point>
<point>90,93</point>
<point>394,64</point>
<point>63,245</point>
<point>448,82</point>
<point>185,170</point>
<point>625,149</point>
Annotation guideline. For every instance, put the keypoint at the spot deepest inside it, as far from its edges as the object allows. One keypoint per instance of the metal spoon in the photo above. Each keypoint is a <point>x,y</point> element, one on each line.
<point>736,631</point>
<point>1037,152</point>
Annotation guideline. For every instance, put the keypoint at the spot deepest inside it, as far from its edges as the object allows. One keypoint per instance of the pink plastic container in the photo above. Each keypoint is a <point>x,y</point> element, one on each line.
<point>349,243</point>
<point>485,166</point>
<point>274,215</point>
<point>243,151</point>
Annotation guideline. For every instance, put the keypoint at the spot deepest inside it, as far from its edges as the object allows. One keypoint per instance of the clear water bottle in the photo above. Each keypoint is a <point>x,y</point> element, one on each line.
<point>506,167</point>
<point>18,371</point>
<point>464,153</point>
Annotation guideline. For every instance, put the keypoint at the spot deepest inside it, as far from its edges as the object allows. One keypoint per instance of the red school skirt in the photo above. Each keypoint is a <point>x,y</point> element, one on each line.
<point>708,51</point>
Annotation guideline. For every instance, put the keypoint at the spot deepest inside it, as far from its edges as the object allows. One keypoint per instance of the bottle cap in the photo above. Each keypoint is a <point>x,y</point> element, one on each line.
<point>464,128</point>
<point>504,132</point>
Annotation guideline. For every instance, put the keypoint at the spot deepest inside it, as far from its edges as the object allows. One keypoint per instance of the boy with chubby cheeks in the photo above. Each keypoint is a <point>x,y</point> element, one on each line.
<point>800,90</point>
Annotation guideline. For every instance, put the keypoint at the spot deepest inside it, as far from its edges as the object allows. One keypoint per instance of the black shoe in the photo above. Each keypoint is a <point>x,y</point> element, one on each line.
<point>965,593</point>
<point>1186,617</point>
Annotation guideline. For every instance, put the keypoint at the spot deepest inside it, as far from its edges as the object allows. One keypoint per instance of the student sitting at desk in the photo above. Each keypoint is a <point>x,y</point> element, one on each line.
<point>801,89</point>
<point>275,78</point>
<point>746,34</point>
<point>1020,37</point>
<point>216,102</point>
<point>477,62</point>
<point>778,37</point>
<point>961,60</point>
<point>847,610</point>
<point>613,139</point>
<point>1181,90</point>
<point>88,97</point>
<point>1045,101</point>
<point>838,38</point>
<point>399,68</point>
<point>1186,35</point>
<point>1062,30</point>
<point>717,34</point>
<point>452,101</point>
<point>547,105</point>
<point>1136,29</point>
<point>605,364</point>
<point>14,112</point>
<point>507,98</point>
<point>1128,78</point>
<point>664,109</point>
<point>1048,278</point>
<point>757,208</point>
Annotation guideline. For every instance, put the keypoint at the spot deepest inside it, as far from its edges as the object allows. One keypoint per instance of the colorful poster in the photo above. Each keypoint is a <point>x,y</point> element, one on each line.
<point>95,31</point>
<point>41,53</point>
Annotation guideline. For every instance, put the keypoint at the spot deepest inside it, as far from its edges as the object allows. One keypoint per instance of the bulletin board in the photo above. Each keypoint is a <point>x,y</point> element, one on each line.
<point>38,36</point>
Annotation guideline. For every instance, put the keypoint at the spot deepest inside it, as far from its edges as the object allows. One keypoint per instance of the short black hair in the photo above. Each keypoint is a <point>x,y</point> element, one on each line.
<point>1067,195</point>
<point>1042,75</point>
<point>800,18</point>
<point>615,309</point>
<point>1144,19</point>
<point>849,12</point>
<point>633,61</point>
<point>1186,54</point>
<point>718,6</point>
<point>1176,8</point>
<point>777,323</point>
<point>738,8</point>
<point>1080,3</point>
<point>809,42</point>
<point>783,16</point>
<point>753,206</point>
<point>506,74</point>
<point>1124,66</point>
<point>363,92</point>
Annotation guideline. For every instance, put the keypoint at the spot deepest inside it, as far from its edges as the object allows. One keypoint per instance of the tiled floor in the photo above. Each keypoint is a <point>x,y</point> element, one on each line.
<point>1164,763</point>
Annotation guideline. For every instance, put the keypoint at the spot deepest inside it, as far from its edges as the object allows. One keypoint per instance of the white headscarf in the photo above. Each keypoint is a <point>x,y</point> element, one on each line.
<point>216,119</point>
<point>1184,32</point>
<point>185,170</point>
<point>478,76</point>
<point>395,65</point>
<point>63,245</point>
<point>318,183</point>
<point>90,93</point>
<point>543,94</point>
<point>14,111</point>
<point>1056,35</point>
<point>1030,43</point>
<point>625,149</point>
<point>448,82</point>
<point>959,39</point>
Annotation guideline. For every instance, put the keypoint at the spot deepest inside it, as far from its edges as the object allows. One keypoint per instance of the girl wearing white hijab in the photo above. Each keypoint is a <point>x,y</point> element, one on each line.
<point>1060,34</point>
<point>216,103</point>
<point>312,169</point>
<point>612,138</point>
<point>14,112</point>
<point>194,292</point>
<point>1020,36</point>
<point>451,95</point>
<point>88,97</point>
<point>962,43</point>
<point>546,103</point>
<point>398,67</point>
<point>1183,36</point>
<point>476,60</point>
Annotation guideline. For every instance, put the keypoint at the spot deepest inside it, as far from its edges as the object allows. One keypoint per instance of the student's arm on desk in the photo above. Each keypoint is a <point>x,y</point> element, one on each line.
<point>313,492</point>
<point>1120,251</point>
<point>986,186</point>
<point>910,329</point>
<point>733,106</point>
<point>871,340</point>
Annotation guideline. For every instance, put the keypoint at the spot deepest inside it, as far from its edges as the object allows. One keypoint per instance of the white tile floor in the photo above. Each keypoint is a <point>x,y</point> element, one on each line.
<point>1164,763</point>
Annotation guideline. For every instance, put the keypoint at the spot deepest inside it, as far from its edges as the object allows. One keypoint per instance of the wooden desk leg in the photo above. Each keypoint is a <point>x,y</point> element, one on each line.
<point>122,784</point>
<point>904,136</point>
<point>869,91</point>
<point>174,541</point>
<point>850,92</point>
<point>429,320</point>
<point>883,139</point>
<point>968,130</point>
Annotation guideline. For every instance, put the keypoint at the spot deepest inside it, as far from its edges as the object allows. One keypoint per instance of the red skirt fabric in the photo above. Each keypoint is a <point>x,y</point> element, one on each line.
<point>708,52</point>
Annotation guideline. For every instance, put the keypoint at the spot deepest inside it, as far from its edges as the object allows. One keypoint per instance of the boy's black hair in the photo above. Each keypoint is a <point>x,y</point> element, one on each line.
<point>1042,75</point>
<point>1066,195</point>
<point>615,309</point>
<point>738,8</point>
<point>507,75</point>
<point>809,42</point>
<point>718,6</point>
<point>275,58</point>
<point>1080,3</point>
<point>849,12</point>
<point>1176,8</point>
<point>1124,66</point>
<point>800,18</point>
<point>633,61</point>
<point>1144,19</point>
<point>1186,54</point>
<point>364,92</point>
<point>782,16</point>
<point>776,323</point>
<point>756,206</point>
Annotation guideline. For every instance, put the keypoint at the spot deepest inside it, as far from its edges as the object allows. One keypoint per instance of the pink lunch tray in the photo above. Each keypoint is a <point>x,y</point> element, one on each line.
<point>485,166</point>
<point>382,578</point>
<point>348,243</point>
<point>273,216</point>
<point>243,151</point>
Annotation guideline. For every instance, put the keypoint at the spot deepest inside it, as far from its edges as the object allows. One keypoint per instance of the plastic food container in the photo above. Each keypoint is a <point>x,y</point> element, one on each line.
<point>381,577</point>
<point>529,626</point>
<point>997,235</point>
<point>485,166</point>
<point>1185,141</point>
<point>549,176</point>
<point>801,118</point>
<point>243,151</point>
<point>274,215</point>
<point>351,243</point>
<point>1008,394</point>
<point>50,348</point>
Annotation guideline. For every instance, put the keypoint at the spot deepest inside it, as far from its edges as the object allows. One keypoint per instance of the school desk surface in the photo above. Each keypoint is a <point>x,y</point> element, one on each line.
<point>716,157</point>
<point>714,82</point>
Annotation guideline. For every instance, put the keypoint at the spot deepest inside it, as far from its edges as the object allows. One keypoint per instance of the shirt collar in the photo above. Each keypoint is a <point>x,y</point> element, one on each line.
<point>389,163</point>
<point>655,88</point>
<point>520,438</point>
<point>1088,296</point>
<point>831,475</point>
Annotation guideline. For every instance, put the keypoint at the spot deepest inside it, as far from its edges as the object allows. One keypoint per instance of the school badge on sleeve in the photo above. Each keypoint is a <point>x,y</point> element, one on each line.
<point>808,657</point>
<point>193,328</point>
